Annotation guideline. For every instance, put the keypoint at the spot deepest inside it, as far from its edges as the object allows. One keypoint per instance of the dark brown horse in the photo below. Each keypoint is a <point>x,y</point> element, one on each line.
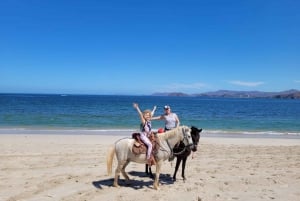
<point>182,152</point>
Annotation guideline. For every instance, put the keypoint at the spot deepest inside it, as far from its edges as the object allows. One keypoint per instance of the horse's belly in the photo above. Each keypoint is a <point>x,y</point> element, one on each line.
<point>138,158</point>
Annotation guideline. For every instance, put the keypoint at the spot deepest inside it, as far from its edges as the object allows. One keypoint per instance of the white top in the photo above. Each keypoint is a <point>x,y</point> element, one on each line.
<point>170,120</point>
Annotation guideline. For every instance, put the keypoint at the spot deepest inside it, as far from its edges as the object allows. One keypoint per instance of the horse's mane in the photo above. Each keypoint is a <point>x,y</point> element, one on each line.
<point>170,133</point>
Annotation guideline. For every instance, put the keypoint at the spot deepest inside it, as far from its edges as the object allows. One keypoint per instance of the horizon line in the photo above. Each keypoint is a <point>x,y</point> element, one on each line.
<point>120,94</point>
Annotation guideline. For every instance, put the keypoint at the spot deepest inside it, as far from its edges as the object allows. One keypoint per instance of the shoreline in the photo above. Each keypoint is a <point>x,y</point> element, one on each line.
<point>128,132</point>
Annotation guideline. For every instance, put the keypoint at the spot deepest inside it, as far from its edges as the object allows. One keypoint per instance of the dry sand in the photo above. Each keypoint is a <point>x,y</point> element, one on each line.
<point>73,167</point>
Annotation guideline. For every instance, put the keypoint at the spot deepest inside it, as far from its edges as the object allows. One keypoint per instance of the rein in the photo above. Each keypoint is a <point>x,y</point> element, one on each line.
<point>170,148</point>
<point>178,153</point>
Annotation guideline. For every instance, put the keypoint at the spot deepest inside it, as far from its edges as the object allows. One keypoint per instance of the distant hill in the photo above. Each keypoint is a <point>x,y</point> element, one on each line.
<point>170,94</point>
<point>289,94</point>
<point>294,95</point>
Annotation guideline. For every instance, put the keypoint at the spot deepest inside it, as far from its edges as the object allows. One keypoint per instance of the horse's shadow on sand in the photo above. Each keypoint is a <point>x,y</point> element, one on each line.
<point>135,183</point>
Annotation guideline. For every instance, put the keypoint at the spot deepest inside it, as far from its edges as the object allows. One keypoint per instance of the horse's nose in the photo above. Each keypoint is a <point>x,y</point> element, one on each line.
<point>194,148</point>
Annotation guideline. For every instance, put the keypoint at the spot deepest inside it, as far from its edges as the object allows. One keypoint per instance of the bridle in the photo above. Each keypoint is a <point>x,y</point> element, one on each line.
<point>195,143</point>
<point>185,137</point>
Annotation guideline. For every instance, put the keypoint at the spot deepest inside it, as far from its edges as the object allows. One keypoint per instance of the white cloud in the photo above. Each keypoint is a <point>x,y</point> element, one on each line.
<point>246,84</point>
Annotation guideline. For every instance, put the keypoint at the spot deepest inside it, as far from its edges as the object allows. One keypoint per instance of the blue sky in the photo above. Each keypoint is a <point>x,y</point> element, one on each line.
<point>141,47</point>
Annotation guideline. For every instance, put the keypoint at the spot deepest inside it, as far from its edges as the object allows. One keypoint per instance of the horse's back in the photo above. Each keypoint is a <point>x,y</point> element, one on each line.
<point>124,144</point>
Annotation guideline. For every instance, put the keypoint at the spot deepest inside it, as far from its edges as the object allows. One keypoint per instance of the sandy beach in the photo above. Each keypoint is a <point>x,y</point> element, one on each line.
<point>73,167</point>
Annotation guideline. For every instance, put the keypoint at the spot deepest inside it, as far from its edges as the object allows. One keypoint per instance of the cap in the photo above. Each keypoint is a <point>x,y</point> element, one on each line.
<point>167,107</point>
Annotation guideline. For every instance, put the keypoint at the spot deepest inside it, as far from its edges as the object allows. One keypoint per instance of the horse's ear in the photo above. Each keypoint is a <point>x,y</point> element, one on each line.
<point>186,128</point>
<point>196,128</point>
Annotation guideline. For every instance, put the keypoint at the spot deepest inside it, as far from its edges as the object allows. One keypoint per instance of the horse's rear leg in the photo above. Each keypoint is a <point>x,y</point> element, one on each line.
<point>120,167</point>
<point>117,174</point>
<point>149,171</point>
<point>125,175</point>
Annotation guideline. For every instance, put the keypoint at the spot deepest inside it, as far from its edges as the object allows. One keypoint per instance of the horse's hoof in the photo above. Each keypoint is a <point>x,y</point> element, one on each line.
<point>155,186</point>
<point>116,185</point>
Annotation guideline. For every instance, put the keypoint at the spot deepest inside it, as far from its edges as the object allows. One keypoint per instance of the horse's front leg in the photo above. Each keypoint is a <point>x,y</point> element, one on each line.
<point>178,161</point>
<point>183,167</point>
<point>156,180</point>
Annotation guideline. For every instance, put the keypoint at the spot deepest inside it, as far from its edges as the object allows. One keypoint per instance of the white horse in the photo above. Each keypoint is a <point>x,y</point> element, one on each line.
<point>124,154</point>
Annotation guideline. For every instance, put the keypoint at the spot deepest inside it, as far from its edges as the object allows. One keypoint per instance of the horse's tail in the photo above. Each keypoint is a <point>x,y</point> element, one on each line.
<point>110,159</point>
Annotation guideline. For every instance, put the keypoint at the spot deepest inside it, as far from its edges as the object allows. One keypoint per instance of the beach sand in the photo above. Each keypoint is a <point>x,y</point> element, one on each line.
<point>73,167</point>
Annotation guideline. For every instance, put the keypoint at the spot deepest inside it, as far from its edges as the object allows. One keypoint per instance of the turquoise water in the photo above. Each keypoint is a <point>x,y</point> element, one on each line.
<point>98,112</point>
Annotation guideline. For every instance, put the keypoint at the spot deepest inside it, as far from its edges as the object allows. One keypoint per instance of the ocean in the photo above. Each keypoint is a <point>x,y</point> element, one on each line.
<point>116,113</point>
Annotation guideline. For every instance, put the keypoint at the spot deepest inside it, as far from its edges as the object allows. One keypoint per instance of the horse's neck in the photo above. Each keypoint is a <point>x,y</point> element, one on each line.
<point>172,137</point>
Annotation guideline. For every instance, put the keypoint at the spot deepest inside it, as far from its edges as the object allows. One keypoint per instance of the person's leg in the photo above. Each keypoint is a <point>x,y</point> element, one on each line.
<point>148,144</point>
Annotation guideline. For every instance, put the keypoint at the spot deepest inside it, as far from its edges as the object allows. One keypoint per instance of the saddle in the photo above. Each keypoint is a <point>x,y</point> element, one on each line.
<point>139,146</point>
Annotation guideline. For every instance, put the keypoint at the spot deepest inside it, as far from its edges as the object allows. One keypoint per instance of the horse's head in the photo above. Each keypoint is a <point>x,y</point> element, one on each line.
<point>195,133</point>
<point>187,137</point>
